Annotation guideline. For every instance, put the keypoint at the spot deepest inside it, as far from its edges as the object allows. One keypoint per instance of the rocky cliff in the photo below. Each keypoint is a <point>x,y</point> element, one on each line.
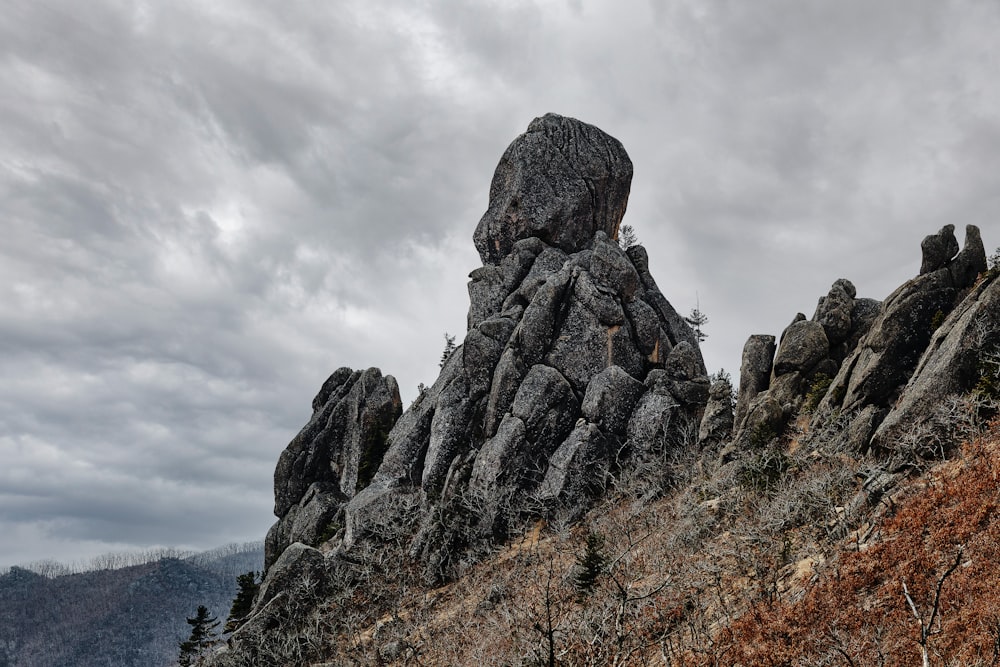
<point>576,375</point>
<point>573,362</point>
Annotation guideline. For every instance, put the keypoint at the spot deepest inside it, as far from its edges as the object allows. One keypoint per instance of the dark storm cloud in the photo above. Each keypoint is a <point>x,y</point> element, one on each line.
<point>208,207</point>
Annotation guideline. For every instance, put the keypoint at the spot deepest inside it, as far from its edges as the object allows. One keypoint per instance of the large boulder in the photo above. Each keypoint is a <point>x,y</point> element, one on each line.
<point>561,181</point>
<point>755,372</point>
<point>803,345</point>
<point>954,362</point>
<point>938,249</point>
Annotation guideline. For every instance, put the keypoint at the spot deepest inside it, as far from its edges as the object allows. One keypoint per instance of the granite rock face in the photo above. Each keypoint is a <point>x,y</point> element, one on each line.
<point>569,340</point>
<point>559,182</point>
<point>333,457</point>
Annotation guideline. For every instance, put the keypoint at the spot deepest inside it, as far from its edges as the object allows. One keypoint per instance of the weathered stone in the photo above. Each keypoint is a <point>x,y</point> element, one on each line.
<point>507,378</point>
<point>297,562</point>
<point>612,268</point>
<point>788,390</point>
<point>953,363</point>
<point>647,329</point>
<point>451,433</point>
<point>653,425</point>
<point>804,344</point>
<point>887,355</point>
<point>674,326</point>
<point>603,305</point>
<point>500,457</point>
<point>537,328</point>
<point>938,249</point>
<point>765,420</point>
<point>388,513</point>
<point>546,404</point>
<point>576,469</point>
<point>969,263</point>
<point>755,372</point>
<point>307,522</point>
<point>864,312</point>
<point>610,399</point>
<point>561,181</point>
<point>683,362</point>
<point>481,352</point>
<point>345,440</point>
<point>834,311</point>
<point>717,422</point>
<point>584,347</point>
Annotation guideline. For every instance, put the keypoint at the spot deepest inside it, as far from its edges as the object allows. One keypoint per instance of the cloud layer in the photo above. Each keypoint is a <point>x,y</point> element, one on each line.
<point>208,207</point>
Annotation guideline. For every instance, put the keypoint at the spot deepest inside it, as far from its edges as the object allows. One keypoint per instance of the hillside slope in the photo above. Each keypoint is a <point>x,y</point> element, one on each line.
<point>131,616</point>
<point>574,489</point>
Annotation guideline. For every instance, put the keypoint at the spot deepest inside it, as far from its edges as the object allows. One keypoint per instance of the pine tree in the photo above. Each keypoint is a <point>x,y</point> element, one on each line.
<point>202,633</point>
<point>249,584</point>
<point>449,347</point>
<point>590,564</point>
<point>697,319</point>
<point>627,237</point>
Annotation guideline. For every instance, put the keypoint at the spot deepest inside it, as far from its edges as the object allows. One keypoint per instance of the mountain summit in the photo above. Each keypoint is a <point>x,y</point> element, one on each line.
<point>579,400</point>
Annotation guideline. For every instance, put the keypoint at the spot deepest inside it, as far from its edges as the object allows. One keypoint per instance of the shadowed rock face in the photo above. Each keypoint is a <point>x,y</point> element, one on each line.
<point>567,335</point>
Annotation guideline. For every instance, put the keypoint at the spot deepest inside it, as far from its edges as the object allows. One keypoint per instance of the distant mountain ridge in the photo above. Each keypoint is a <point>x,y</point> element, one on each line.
<point>120,617</point>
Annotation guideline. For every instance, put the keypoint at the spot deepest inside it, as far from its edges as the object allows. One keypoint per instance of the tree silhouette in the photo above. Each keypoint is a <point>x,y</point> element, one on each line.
<point>202,633</point>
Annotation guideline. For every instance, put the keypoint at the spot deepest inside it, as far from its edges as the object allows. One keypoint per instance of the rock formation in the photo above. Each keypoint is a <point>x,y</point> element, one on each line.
<point>867,352</point>
<point>573,360</point>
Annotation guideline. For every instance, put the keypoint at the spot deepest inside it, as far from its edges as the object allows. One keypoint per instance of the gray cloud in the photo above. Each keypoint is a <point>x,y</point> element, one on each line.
<point>208,208</point>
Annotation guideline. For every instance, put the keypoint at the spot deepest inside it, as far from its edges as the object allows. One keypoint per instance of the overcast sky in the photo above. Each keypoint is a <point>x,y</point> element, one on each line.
<point>207,207</point>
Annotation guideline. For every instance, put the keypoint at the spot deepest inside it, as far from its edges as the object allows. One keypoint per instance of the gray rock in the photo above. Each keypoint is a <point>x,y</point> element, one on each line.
<point>864,312</point>
<point>755,373</point>
<point>538,325</point>
<point>584,347</point>
<point>604,305</point>
<point>804,344</point>
<point>297,563</point>
<point>345,440</point>
<point>546,404</point>
<point>888,354</point>
<point>576,469</point>
<point>765,420</point>
<point>673,324</point>
<point>450,435</point>
<point>481,352</point>
<point>611,396</point>
<point>951,364</point>
<point>499,460</point>
<point>969,263</point>
<point>717,422</point>
<point>649,336</point>
<point>560,181</point>
<point>612,268</point>
<point>938,249</point>
<point>307,522</point>
<point>834,311</point>
<point>507,377</point>
<point>653,425</point>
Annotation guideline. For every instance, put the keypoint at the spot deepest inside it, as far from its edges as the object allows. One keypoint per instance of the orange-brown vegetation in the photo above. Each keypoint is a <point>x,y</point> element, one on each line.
<point>708,568</point>
<point>856,613</point>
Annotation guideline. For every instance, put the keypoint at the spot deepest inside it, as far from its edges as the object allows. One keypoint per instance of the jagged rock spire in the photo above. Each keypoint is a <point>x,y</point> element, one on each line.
<point>573,358</point>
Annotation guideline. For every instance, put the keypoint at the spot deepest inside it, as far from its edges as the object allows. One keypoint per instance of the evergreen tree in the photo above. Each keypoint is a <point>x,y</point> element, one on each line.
<point>249,584</point>
<point>202,633</point>
<point>449,347</point>
<point>697,319</point>
<point>627,237</point>
<point>590,564</point>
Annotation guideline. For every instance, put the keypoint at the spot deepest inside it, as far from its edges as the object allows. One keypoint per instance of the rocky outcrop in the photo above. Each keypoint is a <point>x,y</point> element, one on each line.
<point>962,350</point>
<point>567,334</point>
<point>334,456</point>
<point>775,380</point>
<point>560,182</point>
<point>573,361</point>
<point>755,372</point>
